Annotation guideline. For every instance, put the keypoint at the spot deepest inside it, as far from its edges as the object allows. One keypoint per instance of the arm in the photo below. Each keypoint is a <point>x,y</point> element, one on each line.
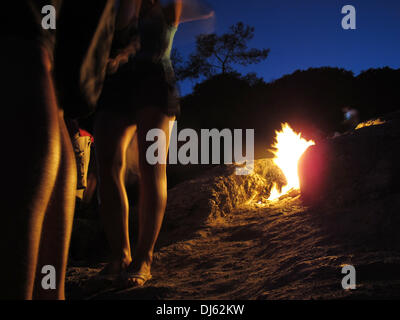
<point>177,13</point>
<point>173,11</point>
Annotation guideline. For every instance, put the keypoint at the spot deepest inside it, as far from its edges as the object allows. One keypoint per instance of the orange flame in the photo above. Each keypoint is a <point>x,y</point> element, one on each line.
<point>288,148</point>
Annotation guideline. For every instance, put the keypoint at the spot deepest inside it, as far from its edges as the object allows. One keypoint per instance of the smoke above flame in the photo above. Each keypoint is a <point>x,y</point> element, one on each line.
<point>289,146</point>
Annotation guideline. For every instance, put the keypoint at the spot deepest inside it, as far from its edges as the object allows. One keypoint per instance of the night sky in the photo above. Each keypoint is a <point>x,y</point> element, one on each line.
<point>306,33</point>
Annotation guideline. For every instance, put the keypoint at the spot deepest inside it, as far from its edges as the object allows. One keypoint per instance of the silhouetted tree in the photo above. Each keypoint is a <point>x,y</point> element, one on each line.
<point>217,54</point>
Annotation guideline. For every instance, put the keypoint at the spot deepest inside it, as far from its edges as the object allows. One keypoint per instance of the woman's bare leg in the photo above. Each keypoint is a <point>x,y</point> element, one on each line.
<point>112,136</point>
<point>153,192</point>
<point>30,164</point>
<point>57,225</point>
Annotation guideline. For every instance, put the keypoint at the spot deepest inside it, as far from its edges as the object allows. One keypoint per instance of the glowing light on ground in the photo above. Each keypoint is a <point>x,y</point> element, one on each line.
<point>289,146</point>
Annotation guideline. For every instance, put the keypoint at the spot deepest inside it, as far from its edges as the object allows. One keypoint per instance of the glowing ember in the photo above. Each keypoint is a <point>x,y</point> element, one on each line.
<point>288,148</point>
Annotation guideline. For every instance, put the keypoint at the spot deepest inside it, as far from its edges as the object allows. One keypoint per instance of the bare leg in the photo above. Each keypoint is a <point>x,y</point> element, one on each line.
<point>112,137</point>
<point>30,167</point>
<point>153,192</point>
<point>57,226</point>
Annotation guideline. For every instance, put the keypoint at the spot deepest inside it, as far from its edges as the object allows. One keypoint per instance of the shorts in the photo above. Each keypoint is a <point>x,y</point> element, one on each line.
<point>139,84</point>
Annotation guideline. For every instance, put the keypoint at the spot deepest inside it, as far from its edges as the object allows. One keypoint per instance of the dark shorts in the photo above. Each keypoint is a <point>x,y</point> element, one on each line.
<point>140,84</point>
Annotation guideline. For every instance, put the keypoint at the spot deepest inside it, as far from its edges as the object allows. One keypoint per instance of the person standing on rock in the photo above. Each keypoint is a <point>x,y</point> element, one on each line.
<point>140,94</point>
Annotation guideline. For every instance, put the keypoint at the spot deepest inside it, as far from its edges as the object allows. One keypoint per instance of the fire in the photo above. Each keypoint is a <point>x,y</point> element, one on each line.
<point>288,148</point>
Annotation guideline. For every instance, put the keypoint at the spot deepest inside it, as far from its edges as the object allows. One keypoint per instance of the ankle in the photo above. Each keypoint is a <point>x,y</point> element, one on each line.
<point>143,258</point>
<point>123,262</point>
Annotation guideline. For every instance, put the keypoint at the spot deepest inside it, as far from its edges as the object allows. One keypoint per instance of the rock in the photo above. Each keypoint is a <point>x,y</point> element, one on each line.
<point>215,194</point>
<point>220,190</point>
<point>355,166</point>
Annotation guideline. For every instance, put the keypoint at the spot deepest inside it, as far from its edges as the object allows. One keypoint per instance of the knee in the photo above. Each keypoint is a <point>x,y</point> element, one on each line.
<point>153,181</point>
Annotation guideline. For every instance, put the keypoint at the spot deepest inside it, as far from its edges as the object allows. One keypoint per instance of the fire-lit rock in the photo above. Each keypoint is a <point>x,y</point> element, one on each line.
<point>354,166</point>
<point>216,194</point>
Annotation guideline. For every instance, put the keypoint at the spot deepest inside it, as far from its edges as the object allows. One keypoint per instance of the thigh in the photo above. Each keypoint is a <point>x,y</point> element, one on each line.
<point>148,119</point>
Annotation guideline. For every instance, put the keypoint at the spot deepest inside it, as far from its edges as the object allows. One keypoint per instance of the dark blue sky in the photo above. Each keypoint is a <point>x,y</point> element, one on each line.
<point>306,33</point>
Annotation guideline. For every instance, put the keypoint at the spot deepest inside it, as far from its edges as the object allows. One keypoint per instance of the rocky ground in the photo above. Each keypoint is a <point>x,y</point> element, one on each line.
<point>223,240</point>
<point>279,250</point>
